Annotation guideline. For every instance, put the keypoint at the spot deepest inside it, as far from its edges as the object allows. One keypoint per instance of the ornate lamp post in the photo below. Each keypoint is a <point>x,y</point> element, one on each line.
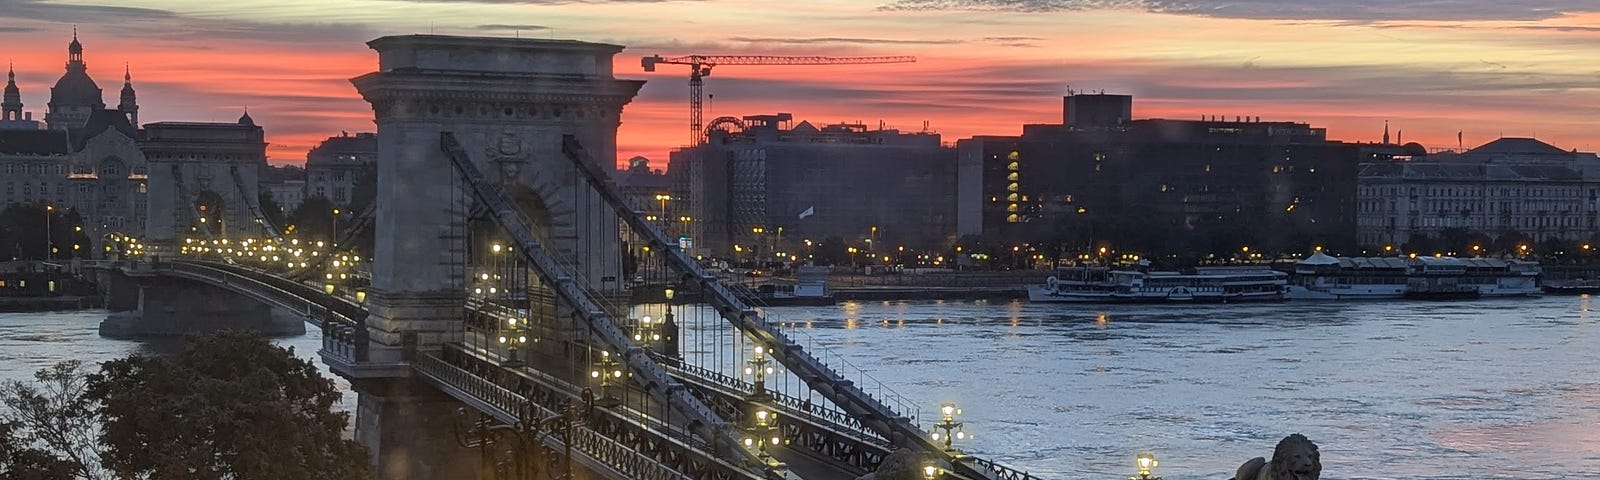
<point>930,472</point>
<point>49,247</point>
<point>952,428</point>
<point>513,337</point>
<point>763,432</point>
<point>758,368</point>
<point>1145,462</point>
<point>669,329</point>
<point>645,334</point>
<point>608,373</point>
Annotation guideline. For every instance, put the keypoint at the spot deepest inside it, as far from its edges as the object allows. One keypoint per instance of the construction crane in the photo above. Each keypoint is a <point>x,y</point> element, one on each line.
<point>700,68</point>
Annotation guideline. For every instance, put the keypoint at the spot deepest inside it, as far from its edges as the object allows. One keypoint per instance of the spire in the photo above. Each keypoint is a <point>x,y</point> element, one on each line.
<point>1385,132</point>
<point>75,49</point>
<point>130,102</point>
<point>11,104</point>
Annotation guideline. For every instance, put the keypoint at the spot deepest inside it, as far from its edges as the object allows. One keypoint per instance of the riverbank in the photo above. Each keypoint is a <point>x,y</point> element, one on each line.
<point>63,303</point>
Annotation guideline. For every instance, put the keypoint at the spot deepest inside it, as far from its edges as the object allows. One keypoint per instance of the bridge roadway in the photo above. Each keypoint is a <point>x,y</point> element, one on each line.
<point>820,442</point>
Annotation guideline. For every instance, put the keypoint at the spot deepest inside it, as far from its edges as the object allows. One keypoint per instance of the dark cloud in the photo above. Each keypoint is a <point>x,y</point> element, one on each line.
<point>1355,10</point>
<point>856,41</point>
<point>163,25</point>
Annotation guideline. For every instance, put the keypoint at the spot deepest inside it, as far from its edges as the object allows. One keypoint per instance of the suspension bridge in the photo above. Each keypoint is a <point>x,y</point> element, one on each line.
<point>520,317</point>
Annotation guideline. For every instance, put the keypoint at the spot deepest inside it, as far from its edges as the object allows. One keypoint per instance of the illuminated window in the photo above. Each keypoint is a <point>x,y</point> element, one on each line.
<point>1011,187</point>
<point>1011,208</point>
<point>1013,218</point>
<point>1013,166</point>
<point>1012,197</point>
<point>1068,198</point>
<point>1013,156</point>
<point>1012,176</point>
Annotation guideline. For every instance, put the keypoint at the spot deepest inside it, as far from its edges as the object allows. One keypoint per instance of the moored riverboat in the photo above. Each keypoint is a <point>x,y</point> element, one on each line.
<point>1204,284</point>
<point>1324,277</point>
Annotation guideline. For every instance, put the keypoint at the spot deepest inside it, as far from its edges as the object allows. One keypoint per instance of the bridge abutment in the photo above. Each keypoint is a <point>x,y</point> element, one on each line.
<point>173,307</point>
<point>411,431</point>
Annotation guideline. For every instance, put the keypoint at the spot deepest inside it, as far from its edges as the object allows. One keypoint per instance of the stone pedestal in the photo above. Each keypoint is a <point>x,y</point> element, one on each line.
<point>410,430</point>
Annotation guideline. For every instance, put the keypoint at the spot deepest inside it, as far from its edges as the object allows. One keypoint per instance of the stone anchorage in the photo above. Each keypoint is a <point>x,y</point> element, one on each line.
<point>509,101</point>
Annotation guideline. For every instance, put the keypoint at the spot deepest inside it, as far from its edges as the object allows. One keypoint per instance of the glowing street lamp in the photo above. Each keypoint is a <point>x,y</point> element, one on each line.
<point>1145,461</point>
<point>758,368</point>
<point>763,432</point>
<point>513,337</point>
<point>952,429</point>
<point>608,372</point>
<point>930,472</point>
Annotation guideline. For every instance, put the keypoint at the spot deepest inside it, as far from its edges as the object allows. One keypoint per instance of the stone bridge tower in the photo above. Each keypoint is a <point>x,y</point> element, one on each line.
<point>508,101</point>
<point>203,179</point>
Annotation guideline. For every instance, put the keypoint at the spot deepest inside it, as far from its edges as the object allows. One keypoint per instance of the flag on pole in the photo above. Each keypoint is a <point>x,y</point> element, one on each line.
<point>811,210</point>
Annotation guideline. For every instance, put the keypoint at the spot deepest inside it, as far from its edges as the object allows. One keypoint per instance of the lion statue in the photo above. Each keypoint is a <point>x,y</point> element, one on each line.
<point>1295,458</point>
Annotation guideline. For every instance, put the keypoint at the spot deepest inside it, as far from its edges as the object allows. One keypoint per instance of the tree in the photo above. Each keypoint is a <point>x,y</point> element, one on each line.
<point>48,428</point>
<point>832,251</point>
<point>20,461</point>
<point>313,219</point>
<point>230,406</point>
<point>271,210</point>
<point>22,232</point>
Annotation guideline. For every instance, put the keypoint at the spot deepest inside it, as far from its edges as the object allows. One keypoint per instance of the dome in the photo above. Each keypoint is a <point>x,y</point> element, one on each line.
<point>76,89</point>
<point>246,120</point>
<point>1414,149</point>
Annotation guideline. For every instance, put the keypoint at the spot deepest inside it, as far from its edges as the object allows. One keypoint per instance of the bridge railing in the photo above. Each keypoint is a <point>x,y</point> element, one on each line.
<point>615,437</point>
<point>997,471</point>
<point>814,411</point>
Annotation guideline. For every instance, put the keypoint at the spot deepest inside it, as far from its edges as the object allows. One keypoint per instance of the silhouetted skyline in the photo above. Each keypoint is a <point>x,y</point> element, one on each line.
<point>984,66</point>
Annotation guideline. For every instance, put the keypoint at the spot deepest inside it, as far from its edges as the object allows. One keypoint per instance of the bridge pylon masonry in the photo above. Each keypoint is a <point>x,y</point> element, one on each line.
<point>510,101</point>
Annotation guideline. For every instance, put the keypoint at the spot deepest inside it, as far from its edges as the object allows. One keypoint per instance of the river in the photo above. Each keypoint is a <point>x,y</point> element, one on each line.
<point>1389,390</point>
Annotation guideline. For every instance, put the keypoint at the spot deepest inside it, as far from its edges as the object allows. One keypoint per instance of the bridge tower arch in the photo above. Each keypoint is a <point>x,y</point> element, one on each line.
<point>509,101</point>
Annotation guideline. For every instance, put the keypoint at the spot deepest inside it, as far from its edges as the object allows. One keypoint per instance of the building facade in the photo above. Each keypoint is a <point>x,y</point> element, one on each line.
<point>767,186</point>
<point>1180,186</point>
<point>335,166</point>
<point>1511,185</point>
<point>84,157</point>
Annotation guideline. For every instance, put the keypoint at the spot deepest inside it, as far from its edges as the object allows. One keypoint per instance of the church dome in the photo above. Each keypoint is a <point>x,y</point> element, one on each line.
<point>76,89</point>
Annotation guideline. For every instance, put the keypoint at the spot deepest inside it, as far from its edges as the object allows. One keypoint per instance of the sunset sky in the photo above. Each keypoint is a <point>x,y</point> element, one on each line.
<point>985,67</point>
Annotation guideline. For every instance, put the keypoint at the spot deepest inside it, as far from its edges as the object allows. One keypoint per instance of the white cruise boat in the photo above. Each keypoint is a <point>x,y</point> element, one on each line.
<point>1323,277</point>
<point>1206,284</point>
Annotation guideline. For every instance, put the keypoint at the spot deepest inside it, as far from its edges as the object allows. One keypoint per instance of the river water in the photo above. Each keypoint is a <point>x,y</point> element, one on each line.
<point>1389,390</point>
